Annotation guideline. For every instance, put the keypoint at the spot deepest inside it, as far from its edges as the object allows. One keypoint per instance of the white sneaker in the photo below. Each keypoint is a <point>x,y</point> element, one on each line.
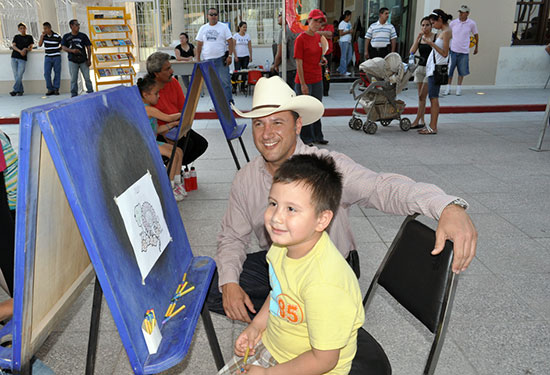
<point>181,189</point>
<point>179,197</point>
<point>447,91</point>
<point>458,91</point>
<point>347,73</point>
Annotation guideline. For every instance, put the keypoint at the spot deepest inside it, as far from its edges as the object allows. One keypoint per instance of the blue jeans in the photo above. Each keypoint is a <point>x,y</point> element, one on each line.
<point>313,132</point>
<point>52,62</point>
<point>18,68</point>
<point>345,56</point>
<point>459,61</point>
<point>225,78</point>
<point>73,70</point>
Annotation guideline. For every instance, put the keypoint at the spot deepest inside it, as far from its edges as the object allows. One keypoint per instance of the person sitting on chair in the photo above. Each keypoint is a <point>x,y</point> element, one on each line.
<point>241,284</point>
<point>310,320</point>
<point>172,100</point>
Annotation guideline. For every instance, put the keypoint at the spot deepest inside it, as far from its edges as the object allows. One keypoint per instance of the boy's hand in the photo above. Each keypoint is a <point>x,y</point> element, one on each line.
<point>254,370</point>
<point>236,302</point>
<point>247,339</point>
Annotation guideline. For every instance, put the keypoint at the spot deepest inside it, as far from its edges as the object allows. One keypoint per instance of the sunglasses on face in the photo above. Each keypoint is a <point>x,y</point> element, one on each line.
<point>213,14</point>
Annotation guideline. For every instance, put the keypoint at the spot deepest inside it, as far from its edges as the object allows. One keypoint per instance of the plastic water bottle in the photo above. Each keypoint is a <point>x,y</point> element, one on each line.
<point>193,179</point>
<point>411,59</point>
<point>267,65</point>
<point>187,180</point>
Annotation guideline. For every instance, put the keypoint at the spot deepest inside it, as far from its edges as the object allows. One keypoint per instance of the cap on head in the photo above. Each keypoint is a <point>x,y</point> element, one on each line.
<point>273,95</point>
<point>464,9</point>
<point>316,14</point>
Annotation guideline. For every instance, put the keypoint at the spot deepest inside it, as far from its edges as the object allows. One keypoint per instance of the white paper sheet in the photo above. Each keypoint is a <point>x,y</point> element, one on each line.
<point>143,218</point>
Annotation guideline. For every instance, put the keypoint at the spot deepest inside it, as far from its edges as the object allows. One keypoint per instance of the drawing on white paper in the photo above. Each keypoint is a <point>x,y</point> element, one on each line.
<point>144,221</point>
<point>147,219</point>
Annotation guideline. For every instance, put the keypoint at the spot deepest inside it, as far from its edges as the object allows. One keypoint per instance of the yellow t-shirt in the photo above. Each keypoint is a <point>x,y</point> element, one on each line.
<point>315,302</point>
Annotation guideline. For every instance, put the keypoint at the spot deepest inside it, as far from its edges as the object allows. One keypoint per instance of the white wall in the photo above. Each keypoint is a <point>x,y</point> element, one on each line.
<point>522,66</point>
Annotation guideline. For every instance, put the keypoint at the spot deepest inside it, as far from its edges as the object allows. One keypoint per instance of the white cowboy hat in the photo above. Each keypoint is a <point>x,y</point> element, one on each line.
<point>273,95</point>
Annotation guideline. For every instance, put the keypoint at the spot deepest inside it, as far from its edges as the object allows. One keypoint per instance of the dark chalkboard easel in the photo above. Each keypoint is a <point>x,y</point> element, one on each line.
<point>204,72</point>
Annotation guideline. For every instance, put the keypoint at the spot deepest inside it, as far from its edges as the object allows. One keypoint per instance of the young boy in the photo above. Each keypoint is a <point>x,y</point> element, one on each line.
<point>309,322</point>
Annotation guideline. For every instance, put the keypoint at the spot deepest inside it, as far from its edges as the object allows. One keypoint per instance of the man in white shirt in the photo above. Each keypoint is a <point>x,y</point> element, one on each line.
<point>380,36</point>
<point>212,39</point>
<point>344,30</point>
<point>462,28</point>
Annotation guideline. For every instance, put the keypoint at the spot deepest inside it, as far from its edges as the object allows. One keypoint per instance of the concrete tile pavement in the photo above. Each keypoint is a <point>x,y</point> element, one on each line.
<point>500,322</point>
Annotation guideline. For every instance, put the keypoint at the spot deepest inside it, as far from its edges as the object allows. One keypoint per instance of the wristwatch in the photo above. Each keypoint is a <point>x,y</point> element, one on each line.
<point>460,202</point>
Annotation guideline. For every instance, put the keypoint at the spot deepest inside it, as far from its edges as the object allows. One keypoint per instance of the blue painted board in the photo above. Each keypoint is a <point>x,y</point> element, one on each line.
<point>101,144</point>
<point>206,70</point>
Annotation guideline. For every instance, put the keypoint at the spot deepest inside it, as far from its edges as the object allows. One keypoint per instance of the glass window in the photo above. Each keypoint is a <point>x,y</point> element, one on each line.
<point>531,24</point>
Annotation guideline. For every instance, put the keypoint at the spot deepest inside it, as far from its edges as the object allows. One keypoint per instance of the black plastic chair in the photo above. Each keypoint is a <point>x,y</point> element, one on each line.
<point>422,283</point>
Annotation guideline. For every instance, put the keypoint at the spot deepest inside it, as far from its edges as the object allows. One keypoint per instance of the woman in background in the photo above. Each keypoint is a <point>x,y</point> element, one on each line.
<point>438,56</point>
<point>420,77</point>
<point>185,51</point>
<point>243,47</point>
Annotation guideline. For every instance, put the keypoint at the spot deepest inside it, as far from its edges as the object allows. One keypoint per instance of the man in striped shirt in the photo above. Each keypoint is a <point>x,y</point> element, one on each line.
<point>52,58</point>
<point>380,36</point>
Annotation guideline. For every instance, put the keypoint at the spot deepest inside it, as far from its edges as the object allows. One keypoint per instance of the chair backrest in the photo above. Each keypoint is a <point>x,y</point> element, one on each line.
<point>254,76</point>
<point>422,283</point>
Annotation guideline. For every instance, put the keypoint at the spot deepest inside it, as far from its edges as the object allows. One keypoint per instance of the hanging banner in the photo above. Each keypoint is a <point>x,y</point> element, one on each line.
<point>292,17</point>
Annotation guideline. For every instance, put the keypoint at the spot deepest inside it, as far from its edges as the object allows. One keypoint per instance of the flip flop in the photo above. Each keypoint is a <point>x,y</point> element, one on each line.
<point>418,126</point>
<point>427,131</point>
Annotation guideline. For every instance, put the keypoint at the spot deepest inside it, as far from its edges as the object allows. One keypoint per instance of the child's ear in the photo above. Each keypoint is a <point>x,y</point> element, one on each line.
<point>323,220</point>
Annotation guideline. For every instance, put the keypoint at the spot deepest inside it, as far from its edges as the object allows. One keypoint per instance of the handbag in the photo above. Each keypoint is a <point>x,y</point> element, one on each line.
<point>441,72</point>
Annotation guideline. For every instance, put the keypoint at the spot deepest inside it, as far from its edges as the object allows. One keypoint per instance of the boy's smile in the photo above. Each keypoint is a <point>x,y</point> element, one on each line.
<point>291,219</point>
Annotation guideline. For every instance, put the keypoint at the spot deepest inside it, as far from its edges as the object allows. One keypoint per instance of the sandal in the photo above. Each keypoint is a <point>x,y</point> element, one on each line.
<point>427,131</point>
<point>418,126</point>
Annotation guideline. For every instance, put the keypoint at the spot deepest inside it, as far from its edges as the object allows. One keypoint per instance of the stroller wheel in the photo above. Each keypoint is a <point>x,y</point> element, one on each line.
<point>405,124</point>
<point>350,123</point>
<point>385,122</point>
<point>357,124</point>
<point>370,127</point>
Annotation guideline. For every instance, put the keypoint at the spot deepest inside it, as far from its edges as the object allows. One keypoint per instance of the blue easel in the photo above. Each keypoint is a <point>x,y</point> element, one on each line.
<point>100,144</point>
<point>204,72</point>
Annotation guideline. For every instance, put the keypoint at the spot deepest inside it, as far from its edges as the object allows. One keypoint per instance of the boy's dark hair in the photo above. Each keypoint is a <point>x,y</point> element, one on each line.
<point>319,174</point>
<point>146,84</point>
<point>382,10</point>
<point>21,24</point>
<point>47,24</point>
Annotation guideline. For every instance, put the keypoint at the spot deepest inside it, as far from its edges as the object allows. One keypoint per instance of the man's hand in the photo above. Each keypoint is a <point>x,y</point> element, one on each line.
<point>366,54</point>
<point>89,62</point>
<point>236,302</point>
<point>23,52</point>
<point>475,50</point>
<point>455,225</point>
<point>228,60</point>
<point>305,89</point>
<point>323,61</point>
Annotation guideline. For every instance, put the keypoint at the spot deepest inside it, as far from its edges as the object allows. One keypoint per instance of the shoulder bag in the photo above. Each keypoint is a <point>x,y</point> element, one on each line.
<point>441,72</point>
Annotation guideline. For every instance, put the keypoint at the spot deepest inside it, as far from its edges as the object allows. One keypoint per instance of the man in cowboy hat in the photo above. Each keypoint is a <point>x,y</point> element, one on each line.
<point>241,284</point>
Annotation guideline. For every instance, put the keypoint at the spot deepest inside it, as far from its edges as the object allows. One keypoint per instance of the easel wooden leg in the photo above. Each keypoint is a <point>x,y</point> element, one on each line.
<point>212,338</point>
<point>244,149</point>
<point>94,328</point>
<point>233,154</point>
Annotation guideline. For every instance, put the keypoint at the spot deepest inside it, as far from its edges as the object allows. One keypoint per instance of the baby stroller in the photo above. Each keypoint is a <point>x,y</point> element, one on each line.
<point>376,91</point>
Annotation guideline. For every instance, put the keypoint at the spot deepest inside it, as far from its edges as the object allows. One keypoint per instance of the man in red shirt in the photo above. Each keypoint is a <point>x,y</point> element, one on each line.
<point>172,100</point>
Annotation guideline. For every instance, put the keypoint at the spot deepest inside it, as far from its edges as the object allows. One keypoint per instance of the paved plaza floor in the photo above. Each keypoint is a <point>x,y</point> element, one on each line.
<point>500,323</point>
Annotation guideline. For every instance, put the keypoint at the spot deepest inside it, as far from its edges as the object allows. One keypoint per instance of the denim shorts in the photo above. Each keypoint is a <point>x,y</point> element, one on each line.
<point>460,61</point>
<point>433,89</point>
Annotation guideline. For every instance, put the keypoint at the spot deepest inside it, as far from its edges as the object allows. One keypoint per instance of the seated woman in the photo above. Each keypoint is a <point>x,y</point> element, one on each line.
<point>185,51</point>
<point>149,91</point>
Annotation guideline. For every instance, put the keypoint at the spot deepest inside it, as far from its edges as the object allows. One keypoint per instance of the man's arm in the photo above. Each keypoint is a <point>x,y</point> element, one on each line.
<point>367,43</point>
<point>547,49</point>
<point>41,40</point>
<point>476,38</point>
<point>231,254</point>
<point>400,195</point>
<point>199,49</point>
<point>89,54</point>
<point>278,59</point>
<point>231,50</point>
<point>394,45</point>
